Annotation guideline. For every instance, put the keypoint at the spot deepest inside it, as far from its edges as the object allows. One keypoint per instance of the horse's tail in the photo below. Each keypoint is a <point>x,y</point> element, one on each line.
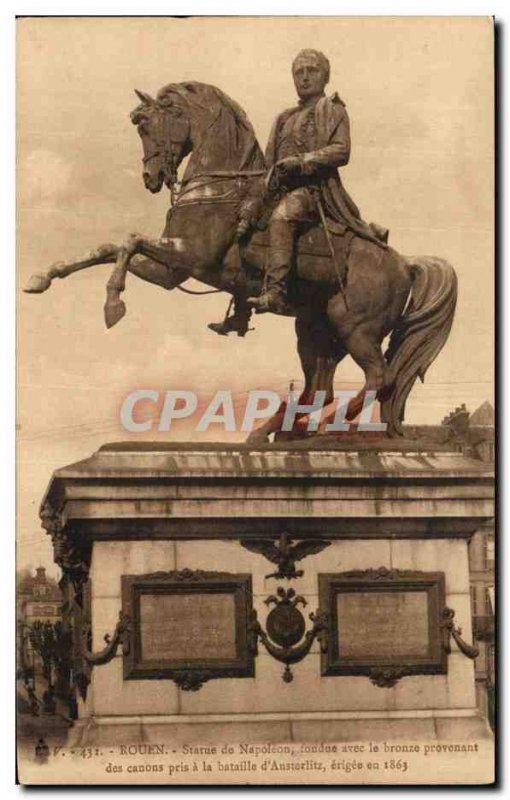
<point>420,333</point>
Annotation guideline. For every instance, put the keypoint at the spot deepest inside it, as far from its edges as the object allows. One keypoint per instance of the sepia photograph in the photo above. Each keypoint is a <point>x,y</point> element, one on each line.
<point>255,401</point>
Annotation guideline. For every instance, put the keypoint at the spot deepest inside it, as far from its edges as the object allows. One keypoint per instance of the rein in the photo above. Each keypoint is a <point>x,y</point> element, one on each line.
<point>228,174</point>
<point>217,176</point>
<point>191,291</point>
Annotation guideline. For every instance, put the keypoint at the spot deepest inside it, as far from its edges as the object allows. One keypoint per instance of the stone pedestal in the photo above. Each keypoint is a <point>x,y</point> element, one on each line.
<point>134,510</point>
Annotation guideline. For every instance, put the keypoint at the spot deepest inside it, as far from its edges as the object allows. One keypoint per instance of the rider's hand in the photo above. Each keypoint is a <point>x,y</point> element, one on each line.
<point>243,227</point>
<point>290,166</point>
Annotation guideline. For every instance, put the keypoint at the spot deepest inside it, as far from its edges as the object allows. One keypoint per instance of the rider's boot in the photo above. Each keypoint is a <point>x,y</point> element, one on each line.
<point>238,323</point>
<point>281,246</point>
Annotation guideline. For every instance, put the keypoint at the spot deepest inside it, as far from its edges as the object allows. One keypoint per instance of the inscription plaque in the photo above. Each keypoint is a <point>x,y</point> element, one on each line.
<point>397,623</point>
<point>188,625</point>
<point>379,619</point>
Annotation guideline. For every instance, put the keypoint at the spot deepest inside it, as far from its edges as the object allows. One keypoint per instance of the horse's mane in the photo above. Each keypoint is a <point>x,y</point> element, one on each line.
<point>215,108</point>
<point>199,95</point>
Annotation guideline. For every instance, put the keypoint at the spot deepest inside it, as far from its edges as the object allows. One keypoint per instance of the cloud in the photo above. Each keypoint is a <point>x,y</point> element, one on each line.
<point>44,177</point>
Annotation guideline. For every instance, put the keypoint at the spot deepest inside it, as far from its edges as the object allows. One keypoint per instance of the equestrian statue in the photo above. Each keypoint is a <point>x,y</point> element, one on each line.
<point>281,234</point>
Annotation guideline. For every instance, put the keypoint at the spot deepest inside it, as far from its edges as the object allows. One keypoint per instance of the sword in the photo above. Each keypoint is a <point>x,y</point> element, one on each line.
<point>322,215</point>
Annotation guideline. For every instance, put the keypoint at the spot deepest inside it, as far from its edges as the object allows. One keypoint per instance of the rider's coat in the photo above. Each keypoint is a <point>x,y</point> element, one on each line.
<point>319,135</point>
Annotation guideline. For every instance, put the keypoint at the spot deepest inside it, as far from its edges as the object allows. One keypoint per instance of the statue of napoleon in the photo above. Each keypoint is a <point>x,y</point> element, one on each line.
<point>306,146</point>
<point>280,234</point>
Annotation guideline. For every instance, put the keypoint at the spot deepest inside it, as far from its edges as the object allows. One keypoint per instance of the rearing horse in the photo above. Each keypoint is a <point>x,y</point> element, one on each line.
<point>384,293</point>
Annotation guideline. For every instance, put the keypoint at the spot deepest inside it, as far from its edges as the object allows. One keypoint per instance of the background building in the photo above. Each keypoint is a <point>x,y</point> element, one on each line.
<point>481,567</point>
<point>475,434</point>
<point>38,599</point>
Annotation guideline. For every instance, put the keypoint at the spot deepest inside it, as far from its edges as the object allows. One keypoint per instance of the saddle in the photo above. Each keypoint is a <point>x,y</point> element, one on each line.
<point>312,255</point>
<point>312,263</point>
<point>312,243</point>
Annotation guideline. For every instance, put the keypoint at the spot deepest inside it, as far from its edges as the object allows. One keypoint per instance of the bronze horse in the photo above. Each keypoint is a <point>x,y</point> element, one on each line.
<point>384,292</point>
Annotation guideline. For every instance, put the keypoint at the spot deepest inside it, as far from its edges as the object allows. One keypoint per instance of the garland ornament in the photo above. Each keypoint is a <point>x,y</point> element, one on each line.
<point>285,629</point>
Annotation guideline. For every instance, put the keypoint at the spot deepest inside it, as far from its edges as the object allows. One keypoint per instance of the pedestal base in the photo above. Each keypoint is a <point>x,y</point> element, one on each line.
<point>399,522</point>
<point>179,730</point>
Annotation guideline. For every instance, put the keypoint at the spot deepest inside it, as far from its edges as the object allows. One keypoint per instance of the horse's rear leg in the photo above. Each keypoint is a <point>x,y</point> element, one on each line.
<point>366,352</point>
<point>319,354</point>
<point>319,376</point>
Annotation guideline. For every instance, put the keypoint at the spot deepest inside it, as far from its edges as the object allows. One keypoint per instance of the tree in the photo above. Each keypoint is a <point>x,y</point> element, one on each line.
<point>42,639</point>
<point>52,642</point>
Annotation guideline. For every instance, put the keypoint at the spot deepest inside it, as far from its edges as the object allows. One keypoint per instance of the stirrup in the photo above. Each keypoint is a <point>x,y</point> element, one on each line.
<point>237,323</point>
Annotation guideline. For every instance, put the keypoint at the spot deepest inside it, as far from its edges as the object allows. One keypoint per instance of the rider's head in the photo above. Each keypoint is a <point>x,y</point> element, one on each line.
<point>310,70</point>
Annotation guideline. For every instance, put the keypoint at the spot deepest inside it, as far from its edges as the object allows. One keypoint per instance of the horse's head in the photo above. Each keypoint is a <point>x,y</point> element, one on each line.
<point>164,129</point>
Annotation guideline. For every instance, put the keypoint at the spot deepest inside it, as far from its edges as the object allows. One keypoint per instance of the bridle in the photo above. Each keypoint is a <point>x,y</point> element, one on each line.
<point>161,136</point>
<point>163,149</point>
<point>161,124</point>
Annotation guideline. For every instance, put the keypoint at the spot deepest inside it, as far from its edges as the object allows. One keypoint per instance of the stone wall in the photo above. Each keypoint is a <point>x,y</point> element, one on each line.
<point>267,693</point>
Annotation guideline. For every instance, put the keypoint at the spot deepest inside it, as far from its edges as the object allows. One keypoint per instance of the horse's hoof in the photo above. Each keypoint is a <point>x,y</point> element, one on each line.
<point>353,409</point>
<point>37,284</point>
<point>113,313</point>
<point>395,430</point>
<point>256,437</point>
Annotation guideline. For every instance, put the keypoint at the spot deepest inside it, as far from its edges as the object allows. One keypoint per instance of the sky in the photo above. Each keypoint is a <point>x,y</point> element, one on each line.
<point>419,96</point>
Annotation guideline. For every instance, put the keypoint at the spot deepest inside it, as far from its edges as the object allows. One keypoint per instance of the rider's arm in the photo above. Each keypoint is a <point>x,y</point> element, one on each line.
<point>336,153</point>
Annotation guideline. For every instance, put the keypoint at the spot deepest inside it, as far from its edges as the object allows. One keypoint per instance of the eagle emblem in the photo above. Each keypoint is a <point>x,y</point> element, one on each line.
<point>284,553</point>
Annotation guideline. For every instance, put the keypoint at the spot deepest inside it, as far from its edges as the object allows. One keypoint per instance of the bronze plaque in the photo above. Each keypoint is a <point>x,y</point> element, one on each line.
<point>383,618</point>
<point>188,625</point>
<point>389,623</point>
<point>184,626</point>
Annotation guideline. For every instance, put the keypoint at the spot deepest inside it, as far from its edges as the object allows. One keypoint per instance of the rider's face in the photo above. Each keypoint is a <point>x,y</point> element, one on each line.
<point>309,78</point>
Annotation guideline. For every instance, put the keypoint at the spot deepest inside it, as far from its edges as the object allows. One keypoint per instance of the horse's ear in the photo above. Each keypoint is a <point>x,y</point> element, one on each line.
<point>145,98</point>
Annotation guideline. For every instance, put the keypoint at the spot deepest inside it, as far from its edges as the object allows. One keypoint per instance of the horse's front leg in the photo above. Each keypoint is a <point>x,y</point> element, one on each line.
<point>115,308</point>
<point>41,281</point>
<point>156,268</point>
